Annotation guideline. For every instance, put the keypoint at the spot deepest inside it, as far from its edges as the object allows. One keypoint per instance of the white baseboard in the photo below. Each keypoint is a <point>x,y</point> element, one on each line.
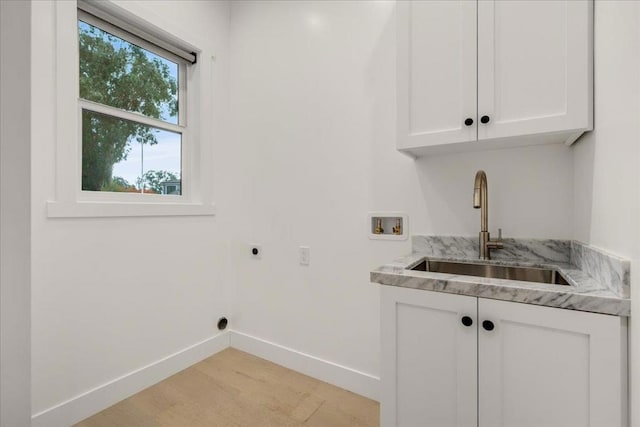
<point>88,403</point>
<point>341,376</point>
<point>93,401</point>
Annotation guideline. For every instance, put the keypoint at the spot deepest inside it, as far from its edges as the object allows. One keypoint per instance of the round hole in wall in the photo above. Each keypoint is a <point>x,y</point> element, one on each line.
<point>222,323</point>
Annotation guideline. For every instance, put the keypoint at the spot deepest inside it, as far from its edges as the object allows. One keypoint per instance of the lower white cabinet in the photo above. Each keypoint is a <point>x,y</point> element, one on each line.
<point>458,361</point>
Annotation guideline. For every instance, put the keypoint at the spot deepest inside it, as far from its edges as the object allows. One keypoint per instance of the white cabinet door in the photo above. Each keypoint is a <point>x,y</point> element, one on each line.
<point>548,367</point>
<point>535,67</point>
<point>429,370</point>
<point>436,72</point>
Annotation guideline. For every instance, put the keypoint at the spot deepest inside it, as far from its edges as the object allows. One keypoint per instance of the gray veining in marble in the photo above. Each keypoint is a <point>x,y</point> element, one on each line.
<point>586,292</point>
<point>543,250</point>
<point>608,269</point>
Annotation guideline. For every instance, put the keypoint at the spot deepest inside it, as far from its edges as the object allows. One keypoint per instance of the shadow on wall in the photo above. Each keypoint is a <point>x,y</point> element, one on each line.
<point>584,166</point>
<point>393,181</point>
<point>530,191</point>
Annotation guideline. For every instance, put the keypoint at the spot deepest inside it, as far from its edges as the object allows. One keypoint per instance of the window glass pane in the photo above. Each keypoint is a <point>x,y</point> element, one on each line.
<point>127,172</point>
<point>162,164</point>
<point>120,74</point>
<point>125,156</point>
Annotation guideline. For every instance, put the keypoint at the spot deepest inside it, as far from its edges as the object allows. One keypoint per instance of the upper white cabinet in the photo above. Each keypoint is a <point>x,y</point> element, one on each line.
<point>487,74</point>
<point>436,72</point>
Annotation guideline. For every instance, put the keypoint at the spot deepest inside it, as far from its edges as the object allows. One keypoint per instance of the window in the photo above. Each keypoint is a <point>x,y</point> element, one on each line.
<point>132,112</point>
<point>132,101</point>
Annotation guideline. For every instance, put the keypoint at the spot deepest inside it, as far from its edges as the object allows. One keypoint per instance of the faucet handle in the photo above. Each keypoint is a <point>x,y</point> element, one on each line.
<point>496,244</point>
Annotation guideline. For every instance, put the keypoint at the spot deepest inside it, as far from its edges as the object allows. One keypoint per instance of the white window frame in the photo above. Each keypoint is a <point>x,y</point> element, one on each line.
<point>180,128</point>
<point>71,200</point>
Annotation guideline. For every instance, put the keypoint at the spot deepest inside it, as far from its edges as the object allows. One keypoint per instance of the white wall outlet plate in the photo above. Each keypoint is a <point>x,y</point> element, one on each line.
<point>255,250</point>
<point>304,255</point>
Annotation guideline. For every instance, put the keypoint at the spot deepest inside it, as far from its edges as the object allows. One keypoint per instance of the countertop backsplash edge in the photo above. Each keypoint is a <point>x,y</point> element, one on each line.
<point>600,280</point>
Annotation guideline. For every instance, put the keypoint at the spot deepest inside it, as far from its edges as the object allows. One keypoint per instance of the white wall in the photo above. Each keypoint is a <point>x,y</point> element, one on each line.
<point>15,206</point>
<point>310,152</point>
<point>313,122</point>
<point>113,295</point>
<point>606,205</point>
<point>607,160</point>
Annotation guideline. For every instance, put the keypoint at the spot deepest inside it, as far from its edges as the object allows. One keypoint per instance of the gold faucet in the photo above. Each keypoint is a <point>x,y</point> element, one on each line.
<point>397,230</point>
<point>378,229</point>
<point>480,200</point>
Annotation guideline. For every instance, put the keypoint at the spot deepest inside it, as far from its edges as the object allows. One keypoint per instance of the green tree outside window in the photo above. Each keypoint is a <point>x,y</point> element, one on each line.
<point>119,74</point>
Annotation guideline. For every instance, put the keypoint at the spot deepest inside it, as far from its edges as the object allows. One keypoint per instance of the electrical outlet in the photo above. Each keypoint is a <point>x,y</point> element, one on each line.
<point>304,255</point>
<point>255,250</point>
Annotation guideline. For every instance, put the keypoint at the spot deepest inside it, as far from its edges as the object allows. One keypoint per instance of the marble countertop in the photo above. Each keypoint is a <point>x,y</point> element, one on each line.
<point>584,292</point>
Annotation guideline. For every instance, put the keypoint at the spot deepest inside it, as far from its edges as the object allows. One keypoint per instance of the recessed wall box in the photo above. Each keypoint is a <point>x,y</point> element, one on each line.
<point>388,225</point>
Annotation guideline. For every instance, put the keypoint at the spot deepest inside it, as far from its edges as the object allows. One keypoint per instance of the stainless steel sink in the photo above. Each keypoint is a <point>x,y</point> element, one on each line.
<point>527,274</point>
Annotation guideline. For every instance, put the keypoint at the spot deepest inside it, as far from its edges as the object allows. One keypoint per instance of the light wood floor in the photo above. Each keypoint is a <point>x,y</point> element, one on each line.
<point>233,388</point>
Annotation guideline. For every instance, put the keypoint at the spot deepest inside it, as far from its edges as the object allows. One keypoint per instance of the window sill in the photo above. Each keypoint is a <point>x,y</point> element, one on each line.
<point>92,209</point>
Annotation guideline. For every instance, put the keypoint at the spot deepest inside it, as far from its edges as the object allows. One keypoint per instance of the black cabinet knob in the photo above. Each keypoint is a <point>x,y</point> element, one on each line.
<point>467,321</point>
<point>255,251</point>
<point>488,325</point>
<point>484,119</point>
<point>468,121</point>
